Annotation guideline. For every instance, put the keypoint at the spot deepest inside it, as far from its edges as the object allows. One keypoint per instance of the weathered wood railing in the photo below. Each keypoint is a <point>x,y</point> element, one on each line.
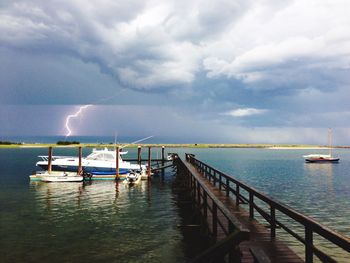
<point>233,187</point>
<point>221,219</point>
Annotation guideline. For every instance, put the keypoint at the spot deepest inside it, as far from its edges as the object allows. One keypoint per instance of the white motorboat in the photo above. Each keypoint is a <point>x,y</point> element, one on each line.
<point>57,177</point>
<point>100,162</point>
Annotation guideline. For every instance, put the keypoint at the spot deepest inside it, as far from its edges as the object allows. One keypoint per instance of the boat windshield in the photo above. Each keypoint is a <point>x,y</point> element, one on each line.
<point>101,156</point>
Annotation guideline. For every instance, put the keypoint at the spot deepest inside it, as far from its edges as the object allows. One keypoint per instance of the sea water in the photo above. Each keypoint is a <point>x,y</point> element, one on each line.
<point>110,222</point>
<point>101,221</point>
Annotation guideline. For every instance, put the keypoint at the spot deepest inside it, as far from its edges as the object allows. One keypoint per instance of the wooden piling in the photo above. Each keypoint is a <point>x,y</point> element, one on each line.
<point>163,157</point>
<point>149,162</point>
<point>117,163</point>
<point>139,154</point>
<point>80,168</point>
<point>49,164</point>
<point>163,162</point>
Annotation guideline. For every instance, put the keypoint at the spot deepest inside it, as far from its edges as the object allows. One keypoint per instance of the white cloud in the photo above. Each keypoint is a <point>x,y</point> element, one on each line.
<point>152,44</point>
<point>305,34</point>
<point>244,112</point>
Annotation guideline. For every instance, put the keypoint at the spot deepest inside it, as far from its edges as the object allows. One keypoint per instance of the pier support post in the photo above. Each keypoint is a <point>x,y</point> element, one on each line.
<point>117,163</point>
<point>80,168</point>
<point>49,163</point>
<point>205,205</point>
<point>214,176</point>
<point>251,205</point>
<point>227,187</point>
<point>273,222</point>
<point>163,160</point>
<point>199,195</point>
<point>139,155</point>
<point>233,255</point>
<point>149,162</point>
<point>163,157</point>
<point>215,220</point>
<point>308,245</point>
<point>237,195</point>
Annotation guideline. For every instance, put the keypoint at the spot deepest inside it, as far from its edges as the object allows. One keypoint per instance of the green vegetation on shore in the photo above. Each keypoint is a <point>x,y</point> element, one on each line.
<point>67,142</point>
<point>9,143</point>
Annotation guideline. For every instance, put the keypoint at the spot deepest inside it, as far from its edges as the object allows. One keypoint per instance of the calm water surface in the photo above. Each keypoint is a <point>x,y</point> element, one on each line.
<point>108,222</point>
<point>75,222</point>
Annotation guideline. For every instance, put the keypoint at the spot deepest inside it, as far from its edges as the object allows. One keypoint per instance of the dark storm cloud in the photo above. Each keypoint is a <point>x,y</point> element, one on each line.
<point>239,65</point>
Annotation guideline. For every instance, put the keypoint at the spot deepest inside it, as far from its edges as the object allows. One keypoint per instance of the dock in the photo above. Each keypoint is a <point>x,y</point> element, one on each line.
<point>153,165</point>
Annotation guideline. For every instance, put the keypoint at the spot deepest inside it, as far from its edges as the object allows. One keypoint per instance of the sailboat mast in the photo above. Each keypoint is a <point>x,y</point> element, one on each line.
<point>330,141</point>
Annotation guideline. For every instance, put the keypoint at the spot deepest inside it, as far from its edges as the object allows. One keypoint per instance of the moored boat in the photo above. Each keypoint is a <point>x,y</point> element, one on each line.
<point>57,177</point>
<point>320,158</point>
<point>132,178</point>
<point>323,158</point>
<point>98,163</point>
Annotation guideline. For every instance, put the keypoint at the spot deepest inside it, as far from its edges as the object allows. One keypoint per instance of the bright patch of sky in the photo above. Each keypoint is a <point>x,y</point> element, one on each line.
<point>244,112</point>
<point>220,69</point>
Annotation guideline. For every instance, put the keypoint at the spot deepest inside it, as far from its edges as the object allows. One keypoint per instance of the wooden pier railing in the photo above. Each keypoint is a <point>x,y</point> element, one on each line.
<point>224,228</point>
<point>233,188</point>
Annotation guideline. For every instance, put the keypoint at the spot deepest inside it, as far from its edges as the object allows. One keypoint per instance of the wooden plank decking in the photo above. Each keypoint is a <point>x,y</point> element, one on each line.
<point>260,238</point>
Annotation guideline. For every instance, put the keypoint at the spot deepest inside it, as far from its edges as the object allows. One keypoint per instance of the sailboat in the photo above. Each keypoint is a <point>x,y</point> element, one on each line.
<point>323,158</point>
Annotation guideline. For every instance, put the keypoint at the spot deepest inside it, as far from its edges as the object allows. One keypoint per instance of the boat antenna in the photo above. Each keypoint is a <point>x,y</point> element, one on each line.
<point>115,141</point>
<point>143,139</point>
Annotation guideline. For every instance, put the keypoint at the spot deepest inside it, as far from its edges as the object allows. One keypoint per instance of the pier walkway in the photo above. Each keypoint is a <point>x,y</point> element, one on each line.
<point>236,233</point>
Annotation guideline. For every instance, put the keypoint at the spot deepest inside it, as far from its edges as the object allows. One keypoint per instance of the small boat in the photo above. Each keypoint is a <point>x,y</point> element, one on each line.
<point>170,157</point>
<point>58,177</point>
<point>320,158</point>
<point>323,158</point>
<point>133,178</point>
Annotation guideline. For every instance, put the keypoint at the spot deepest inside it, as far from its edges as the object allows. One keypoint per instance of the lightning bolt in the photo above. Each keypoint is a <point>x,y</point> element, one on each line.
<point>69,117</point>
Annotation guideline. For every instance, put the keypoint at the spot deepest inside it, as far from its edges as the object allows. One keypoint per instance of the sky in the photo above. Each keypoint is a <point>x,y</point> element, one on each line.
<point>223,71</point>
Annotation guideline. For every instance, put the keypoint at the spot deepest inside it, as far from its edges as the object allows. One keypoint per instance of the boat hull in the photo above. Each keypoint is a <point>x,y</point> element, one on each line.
<point>58,179</point>
<point>322,160</point>
<point>88,169</point>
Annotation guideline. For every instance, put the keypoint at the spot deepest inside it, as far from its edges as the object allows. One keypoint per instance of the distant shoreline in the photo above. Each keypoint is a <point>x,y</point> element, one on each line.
<point>199,145</point>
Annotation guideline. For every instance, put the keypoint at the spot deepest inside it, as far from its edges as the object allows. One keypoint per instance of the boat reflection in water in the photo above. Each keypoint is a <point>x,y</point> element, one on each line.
<point>322,182</point>
<point>90,194</point>
<point>325,169</point>
<point>321,175</point>
<point>104,221</point>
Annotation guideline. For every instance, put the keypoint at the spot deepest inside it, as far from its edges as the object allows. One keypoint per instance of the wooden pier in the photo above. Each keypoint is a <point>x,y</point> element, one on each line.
<point>236,234</point>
